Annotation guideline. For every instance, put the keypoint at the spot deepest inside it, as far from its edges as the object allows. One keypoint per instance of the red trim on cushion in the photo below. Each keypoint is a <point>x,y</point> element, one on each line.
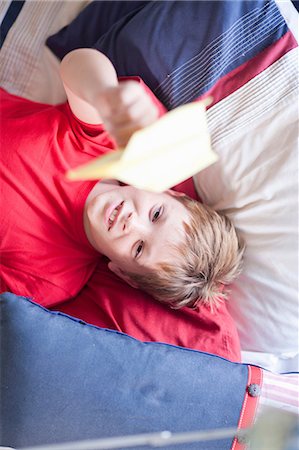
<point>247,416</point>
<point>250,69</point>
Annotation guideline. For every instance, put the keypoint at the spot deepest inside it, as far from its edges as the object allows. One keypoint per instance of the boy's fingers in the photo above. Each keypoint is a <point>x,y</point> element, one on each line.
<point>122,135</point>
<point>122,96</point>
<point>139,113</point>
<point>121,132</point>
<point>129,92</point>
<point>126,109</point>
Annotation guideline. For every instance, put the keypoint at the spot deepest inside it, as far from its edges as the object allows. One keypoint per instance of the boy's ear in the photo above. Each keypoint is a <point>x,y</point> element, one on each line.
<point>121,274</point>
<point>175,193</point>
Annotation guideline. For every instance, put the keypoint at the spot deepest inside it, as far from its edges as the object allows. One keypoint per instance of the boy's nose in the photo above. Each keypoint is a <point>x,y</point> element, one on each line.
<point>126,221</point>
<point>130,222</point>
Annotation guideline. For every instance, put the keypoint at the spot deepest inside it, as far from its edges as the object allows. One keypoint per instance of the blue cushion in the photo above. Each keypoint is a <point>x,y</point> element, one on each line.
<point>92,23</point>
<point>63,380</point>
<point>181,49</point>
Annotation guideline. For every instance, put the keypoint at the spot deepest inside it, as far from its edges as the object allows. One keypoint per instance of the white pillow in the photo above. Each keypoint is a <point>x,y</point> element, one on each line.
<point>255,182</point>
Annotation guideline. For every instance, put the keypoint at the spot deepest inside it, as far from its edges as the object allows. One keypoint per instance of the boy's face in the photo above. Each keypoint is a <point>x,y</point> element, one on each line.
<point>134,228</point>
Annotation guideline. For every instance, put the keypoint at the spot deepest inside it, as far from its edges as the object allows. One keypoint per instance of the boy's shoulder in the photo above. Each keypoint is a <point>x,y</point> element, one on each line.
<point>14,106</point>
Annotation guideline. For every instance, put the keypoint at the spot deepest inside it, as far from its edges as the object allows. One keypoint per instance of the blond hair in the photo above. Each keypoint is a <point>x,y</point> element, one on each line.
<point>207,260</point>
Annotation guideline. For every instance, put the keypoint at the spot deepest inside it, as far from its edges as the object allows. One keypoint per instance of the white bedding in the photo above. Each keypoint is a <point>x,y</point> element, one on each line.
<point>257,186</point>
<point>27,67</point>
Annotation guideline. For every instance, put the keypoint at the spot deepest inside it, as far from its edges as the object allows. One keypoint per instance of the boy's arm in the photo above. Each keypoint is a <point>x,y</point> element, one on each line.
<point>85,74</point>
<point>95,96</point>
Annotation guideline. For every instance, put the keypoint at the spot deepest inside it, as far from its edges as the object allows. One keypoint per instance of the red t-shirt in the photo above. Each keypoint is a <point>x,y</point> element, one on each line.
<point>44,250</point>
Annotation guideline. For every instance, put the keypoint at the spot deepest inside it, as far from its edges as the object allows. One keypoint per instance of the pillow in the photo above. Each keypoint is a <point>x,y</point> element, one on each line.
<point>95,21</point>
<point>27,67</point>
<point>255,182</point>
<point>107,301</point>
<point>214,39</point>
<point>63,380</point>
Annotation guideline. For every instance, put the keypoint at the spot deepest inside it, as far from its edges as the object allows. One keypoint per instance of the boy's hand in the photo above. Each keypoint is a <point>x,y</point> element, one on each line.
<point>125,109</point>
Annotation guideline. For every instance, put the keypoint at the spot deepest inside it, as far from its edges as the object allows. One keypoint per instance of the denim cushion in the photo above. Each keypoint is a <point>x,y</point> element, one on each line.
<point>63,380</point>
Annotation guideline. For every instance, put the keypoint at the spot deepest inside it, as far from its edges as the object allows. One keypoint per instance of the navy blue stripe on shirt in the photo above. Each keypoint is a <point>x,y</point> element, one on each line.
<point>9,19</point>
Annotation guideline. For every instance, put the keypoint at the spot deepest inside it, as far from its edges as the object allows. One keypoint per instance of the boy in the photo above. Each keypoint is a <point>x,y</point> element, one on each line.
<point>53,230</point>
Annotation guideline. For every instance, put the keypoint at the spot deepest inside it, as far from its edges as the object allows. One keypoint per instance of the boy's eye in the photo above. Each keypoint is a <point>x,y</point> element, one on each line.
<point>139,249</point>
<point>157,213</point>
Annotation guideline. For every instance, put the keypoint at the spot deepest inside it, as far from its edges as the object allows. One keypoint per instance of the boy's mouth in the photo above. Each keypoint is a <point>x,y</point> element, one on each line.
<point>113,215</point>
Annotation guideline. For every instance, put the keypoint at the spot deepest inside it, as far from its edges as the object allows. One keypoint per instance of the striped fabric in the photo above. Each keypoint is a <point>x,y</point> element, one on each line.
<point>24,28</point>
<point>253,100</point>
<point>279,391</point>
<point>251,32</point>
<point>22,47</point>
<point>4,7</point>
<point>12,10</point>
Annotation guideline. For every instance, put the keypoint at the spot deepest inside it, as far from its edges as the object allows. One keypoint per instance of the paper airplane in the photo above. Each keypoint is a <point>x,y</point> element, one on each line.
<point>158,157</point>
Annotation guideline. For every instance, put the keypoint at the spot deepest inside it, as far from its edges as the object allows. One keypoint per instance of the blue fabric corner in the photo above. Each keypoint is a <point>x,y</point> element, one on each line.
<point>63,381</point>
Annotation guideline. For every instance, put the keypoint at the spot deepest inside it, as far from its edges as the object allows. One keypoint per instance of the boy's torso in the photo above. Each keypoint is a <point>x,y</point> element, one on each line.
<point>45,253</point>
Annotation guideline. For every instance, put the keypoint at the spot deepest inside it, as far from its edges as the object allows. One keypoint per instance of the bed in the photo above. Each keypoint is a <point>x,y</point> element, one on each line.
<point>245,55</point>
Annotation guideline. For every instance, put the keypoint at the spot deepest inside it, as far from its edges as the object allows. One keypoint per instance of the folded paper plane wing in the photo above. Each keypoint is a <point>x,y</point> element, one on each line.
<point>160,156</point>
